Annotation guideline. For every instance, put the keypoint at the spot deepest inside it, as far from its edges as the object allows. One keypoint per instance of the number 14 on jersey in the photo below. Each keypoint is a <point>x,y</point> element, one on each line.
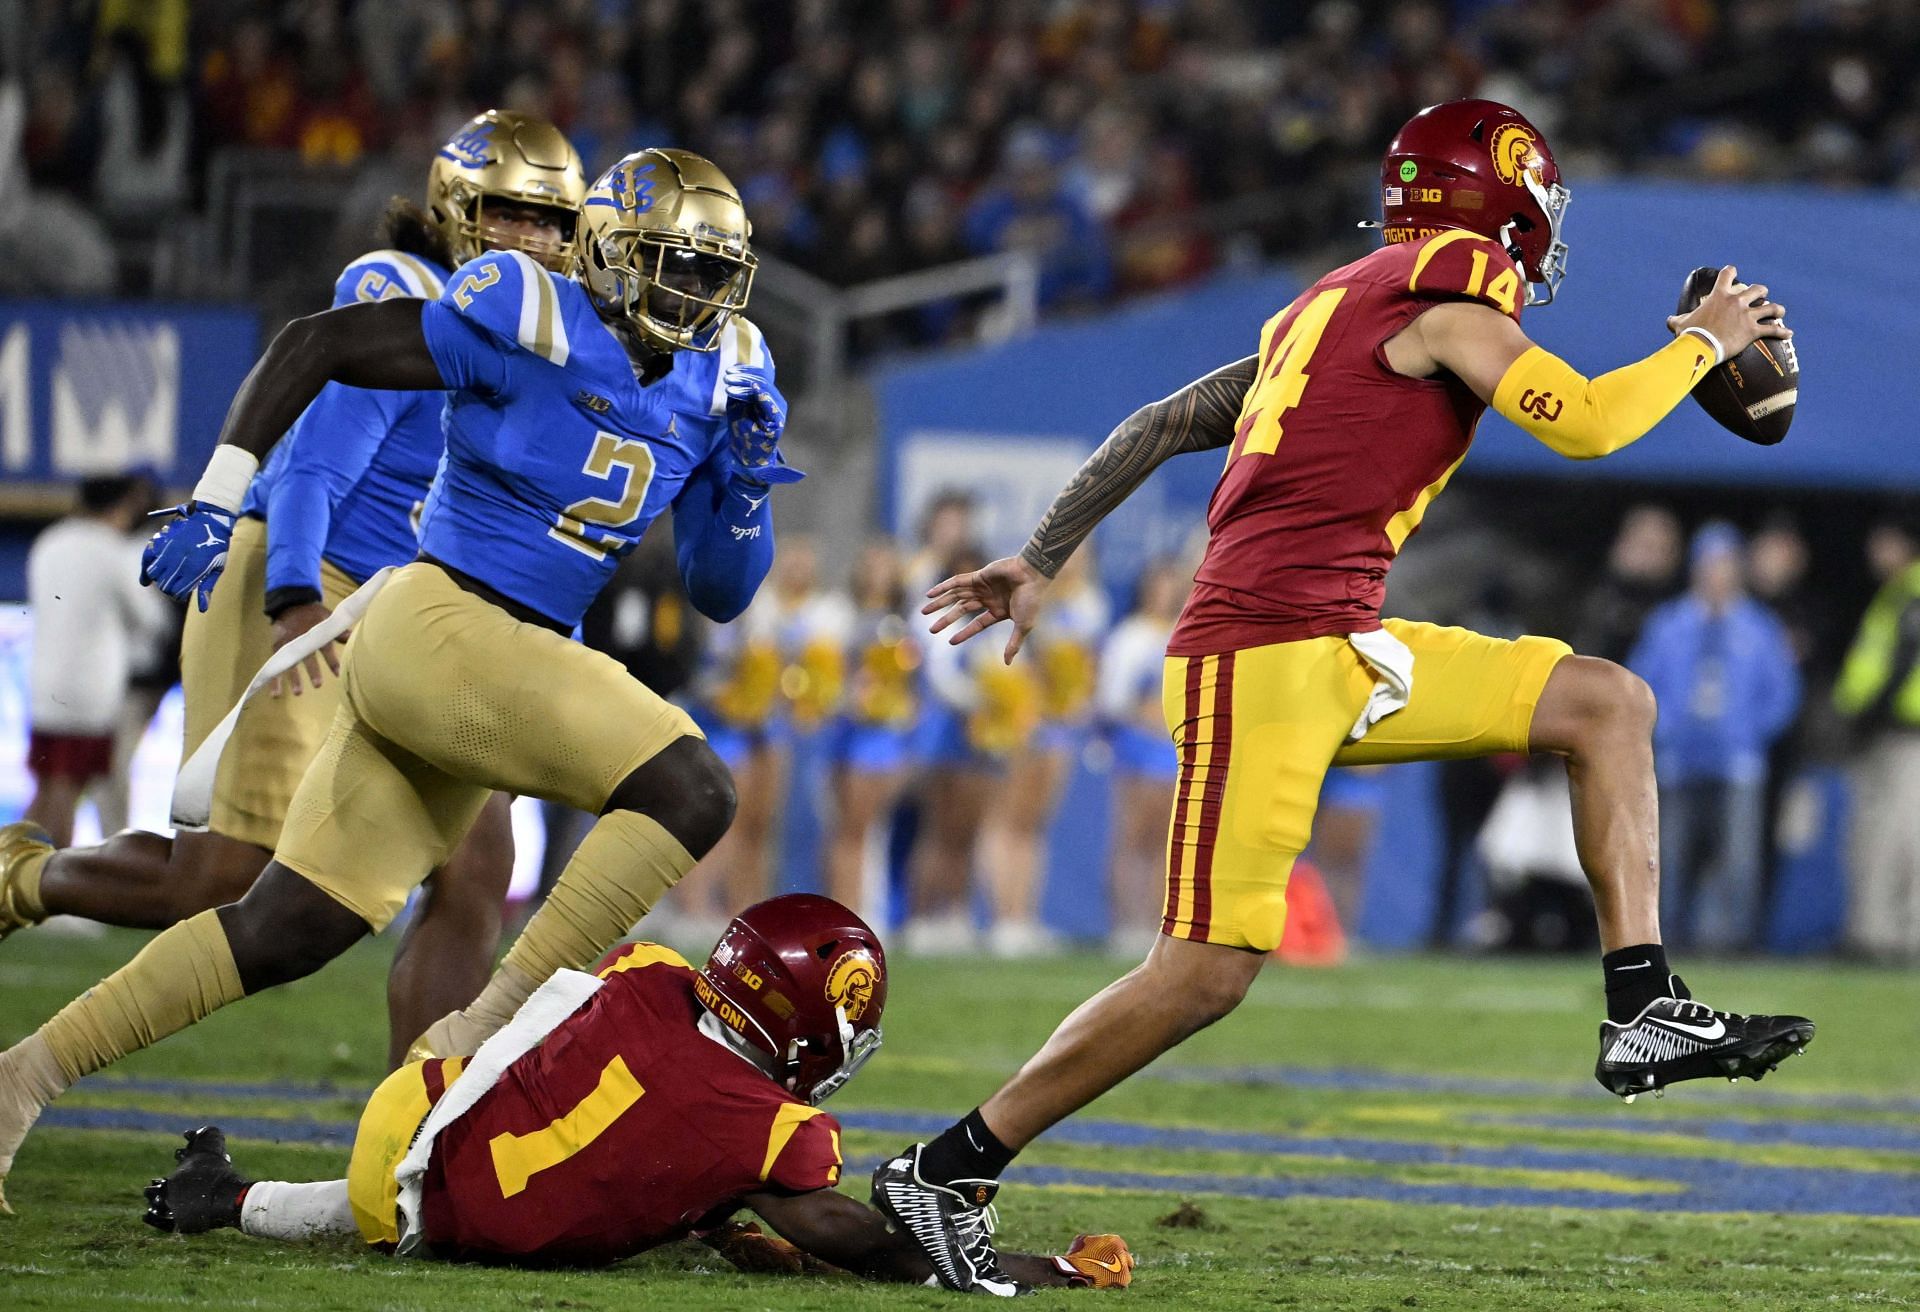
<point>1283,375</point>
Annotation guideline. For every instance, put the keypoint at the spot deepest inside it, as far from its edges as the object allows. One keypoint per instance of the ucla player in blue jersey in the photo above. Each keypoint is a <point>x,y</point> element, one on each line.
<point>580,410</point>
<point>334,505</point>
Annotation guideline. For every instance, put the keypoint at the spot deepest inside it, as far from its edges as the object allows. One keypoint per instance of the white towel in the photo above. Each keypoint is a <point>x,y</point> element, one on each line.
<point>1392,663</point>
<point>563,994</point>
<point>193,786</point>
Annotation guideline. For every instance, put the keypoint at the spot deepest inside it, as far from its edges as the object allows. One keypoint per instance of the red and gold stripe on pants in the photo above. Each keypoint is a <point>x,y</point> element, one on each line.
<point>1206,751</point>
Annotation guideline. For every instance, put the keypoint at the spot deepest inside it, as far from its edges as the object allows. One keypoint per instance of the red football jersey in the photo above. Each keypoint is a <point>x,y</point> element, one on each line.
<point>1337,455</point>
<point>623,1130</point>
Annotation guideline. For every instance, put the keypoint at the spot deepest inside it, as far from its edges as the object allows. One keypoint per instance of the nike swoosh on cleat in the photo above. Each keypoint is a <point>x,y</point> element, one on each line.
<point>1715,1031</point>
<point>1637,966</point>
<point>1104,1266</point>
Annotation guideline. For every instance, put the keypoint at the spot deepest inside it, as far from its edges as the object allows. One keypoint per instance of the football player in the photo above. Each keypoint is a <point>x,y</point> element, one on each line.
<point>332,507</point>
<point>1355,412</point>
<point>581,408</point>
<point>620,1112</point>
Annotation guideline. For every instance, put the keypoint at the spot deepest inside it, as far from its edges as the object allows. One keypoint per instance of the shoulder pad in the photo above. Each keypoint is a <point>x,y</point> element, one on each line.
<point>740,343</point>
<point>383,275</point>
<point>1461,264</point>
<point>515,299</point>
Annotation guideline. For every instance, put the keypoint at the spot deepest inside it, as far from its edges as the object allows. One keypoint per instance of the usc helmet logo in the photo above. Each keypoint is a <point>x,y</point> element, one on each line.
<point>851,982</point>
<point>1513,152</point>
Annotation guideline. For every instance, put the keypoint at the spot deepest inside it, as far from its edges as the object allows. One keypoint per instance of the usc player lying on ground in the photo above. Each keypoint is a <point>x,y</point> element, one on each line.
<point>622,1111</point>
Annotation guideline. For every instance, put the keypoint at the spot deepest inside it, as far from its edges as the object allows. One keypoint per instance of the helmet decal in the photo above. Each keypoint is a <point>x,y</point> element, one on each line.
<point>472,147</point>
<point>850,985</point>
<point>1514,153</point>
<point>624,188</point>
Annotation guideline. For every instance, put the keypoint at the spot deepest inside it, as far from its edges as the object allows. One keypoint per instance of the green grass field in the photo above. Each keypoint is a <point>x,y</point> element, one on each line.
<point>1405,1132</point>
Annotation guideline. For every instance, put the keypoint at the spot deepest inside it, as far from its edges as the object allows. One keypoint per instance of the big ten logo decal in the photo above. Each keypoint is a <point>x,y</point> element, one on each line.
<point>1544,406</point>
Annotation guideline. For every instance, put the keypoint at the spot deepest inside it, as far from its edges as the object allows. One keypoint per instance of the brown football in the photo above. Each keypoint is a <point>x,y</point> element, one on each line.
<point>1753,394</point>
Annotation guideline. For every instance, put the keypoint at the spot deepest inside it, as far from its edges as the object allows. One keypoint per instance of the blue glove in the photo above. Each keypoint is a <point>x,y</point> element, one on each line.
<point>186,556</point>
<point>756,417</point>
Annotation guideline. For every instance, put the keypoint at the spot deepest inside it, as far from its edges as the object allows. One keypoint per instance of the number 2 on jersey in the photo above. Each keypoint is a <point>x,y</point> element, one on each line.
<point>517,1158</point>
<point>609,453</point>
<point>1284,381</point>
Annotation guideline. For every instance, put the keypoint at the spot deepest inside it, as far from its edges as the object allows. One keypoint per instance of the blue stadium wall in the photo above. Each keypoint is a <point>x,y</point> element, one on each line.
<point>1010,421</point>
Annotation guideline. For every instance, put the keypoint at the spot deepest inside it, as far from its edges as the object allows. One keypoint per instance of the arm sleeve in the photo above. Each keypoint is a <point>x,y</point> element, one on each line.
<point>329,450</point>
<point>1582,418</point>
<point>723,539</point>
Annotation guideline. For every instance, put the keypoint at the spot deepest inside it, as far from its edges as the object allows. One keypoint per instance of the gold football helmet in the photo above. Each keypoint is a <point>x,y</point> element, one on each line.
<point>505,157</point>
<point>663,247</point>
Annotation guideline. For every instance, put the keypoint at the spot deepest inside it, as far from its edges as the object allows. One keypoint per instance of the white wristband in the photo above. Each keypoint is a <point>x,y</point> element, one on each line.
<point>225,482</point>
<point>1719,351</point>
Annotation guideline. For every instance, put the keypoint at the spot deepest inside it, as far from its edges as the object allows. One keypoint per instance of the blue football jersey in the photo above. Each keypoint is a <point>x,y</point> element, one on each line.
<point>347,480</point>
<point>557,458</point>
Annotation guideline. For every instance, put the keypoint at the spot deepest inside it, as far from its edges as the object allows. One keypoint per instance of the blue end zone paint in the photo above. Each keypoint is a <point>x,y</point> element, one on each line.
<point>1705,1184</point>
<point>1370,1081</point>
<point>1809,1134</point>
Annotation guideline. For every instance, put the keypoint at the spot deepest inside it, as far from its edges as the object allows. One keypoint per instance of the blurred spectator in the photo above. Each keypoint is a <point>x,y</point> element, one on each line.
<point>1722,670</point>
<point>1029,208</point>
<point>89,615</point>
<point>870,744</point>
<point>1145,765</point>
<point>54,245</point>
<point>140,179</point>
<point>1879,693</point>
<point>1643,570</point>
<point>1063,657</point>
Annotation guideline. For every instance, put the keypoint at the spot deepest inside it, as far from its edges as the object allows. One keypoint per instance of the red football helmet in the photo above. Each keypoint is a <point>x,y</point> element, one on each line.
<point>804,980</point>
<point>1479,165</point>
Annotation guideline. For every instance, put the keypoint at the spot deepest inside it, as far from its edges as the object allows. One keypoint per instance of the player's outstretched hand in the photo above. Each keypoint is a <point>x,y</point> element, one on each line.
<point>1097,1262</point>
<point>1009,588</point>
<point>1736,313</point>
<point>186,556</point>
<point>290,624</point>
<point>753,1250</point>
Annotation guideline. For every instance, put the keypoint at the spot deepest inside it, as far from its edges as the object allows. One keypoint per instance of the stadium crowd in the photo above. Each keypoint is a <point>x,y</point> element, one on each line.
<point>1130,144</point>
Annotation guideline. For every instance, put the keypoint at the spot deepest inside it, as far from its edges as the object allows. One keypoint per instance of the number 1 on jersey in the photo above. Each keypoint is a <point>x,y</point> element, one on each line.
<point>1284,381</point>
<point>517,1158</point>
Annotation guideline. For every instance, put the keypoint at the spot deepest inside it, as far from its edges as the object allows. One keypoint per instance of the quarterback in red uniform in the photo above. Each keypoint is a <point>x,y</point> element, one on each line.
<point>622,1111</point>
<point>1358,406</point>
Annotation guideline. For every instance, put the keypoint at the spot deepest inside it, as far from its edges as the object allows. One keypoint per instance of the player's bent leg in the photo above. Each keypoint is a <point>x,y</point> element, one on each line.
<point>1181,988</point>
<point>448,952</point>
<point>1600,716</point>
<point>146,881</point>
<point>657,823</point>
<point>283,929</point>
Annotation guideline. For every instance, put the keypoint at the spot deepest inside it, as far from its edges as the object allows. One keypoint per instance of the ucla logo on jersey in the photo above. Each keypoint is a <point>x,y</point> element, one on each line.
<point>625,189</point>
<point>472,149</point>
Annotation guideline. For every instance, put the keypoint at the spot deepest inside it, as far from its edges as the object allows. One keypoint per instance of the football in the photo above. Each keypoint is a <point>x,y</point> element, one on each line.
<point>1753,394</point>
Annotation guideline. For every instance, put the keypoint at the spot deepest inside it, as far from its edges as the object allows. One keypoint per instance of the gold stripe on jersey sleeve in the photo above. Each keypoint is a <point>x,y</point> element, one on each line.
<point>1433,247</point>
<point>645,954</point>
<point>430,285</point>
<point>786,1121</point>
<point>1402,525</point>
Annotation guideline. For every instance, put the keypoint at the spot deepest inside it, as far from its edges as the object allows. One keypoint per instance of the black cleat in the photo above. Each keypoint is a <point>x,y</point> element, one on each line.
<point>1676,1038</point>
<point>953,1224</point>
<point>203,1193</point>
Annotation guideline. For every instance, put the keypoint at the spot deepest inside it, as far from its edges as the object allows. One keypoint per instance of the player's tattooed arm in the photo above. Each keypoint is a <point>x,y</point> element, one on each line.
<point>380,344</point>
<point>847,1234</point>
<point>1199,417</point>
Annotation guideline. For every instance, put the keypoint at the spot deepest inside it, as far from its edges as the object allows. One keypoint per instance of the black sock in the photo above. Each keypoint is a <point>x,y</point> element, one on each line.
<point>966,1150</point>
<point>1635,977</point>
